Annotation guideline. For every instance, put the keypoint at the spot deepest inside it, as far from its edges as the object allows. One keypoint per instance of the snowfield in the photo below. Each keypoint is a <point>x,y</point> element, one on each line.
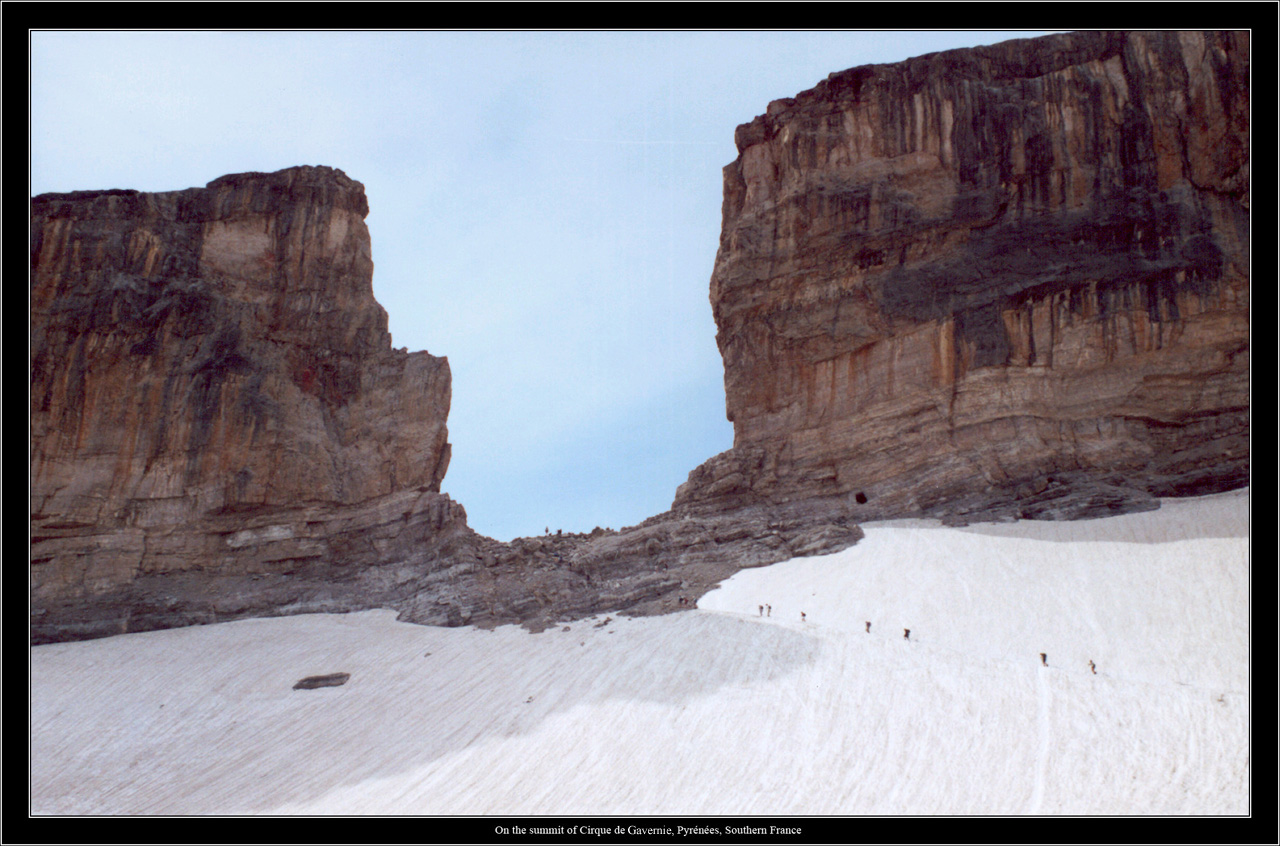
<point>718,711</point>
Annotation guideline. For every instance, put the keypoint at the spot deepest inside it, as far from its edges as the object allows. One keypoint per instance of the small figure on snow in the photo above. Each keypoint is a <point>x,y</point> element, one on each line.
<point>802,619</point>
<point>768,610</point>
<point>868,627</point>
<point>760,613</point>
<point>1093,668</point>
<point>906,634</point>
<point>1044,660</point>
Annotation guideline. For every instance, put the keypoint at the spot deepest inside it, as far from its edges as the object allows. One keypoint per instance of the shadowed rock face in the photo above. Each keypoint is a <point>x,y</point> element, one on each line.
<point>220,429</point>
<point>214,397</point>
<point>1010,281</point>
<point>992,283</point>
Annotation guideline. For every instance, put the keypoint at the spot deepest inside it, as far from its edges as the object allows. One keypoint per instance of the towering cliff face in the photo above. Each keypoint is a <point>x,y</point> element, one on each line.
<point>1011,280</point>
<point>221,429</point>
<point>1002,282</point>
<point>214,393</point>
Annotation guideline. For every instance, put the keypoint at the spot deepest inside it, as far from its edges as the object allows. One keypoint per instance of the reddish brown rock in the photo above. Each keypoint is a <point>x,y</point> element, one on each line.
<point>220,429</point>
<point>1002,282</point>
<point>1009,281</point>
<point>213,391</point>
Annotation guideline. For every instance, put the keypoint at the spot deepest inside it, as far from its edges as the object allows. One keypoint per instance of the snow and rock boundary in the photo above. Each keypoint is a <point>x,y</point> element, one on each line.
<point>715,711</point>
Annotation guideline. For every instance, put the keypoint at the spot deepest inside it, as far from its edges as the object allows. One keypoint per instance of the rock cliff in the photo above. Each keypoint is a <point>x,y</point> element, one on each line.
<point>1011,281</point>
<point>994,283</point>
<point>214,399</point>
<point>220,429</point>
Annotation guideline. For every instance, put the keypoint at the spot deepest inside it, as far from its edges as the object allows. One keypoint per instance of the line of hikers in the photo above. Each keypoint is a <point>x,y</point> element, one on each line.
<point>766,610</point>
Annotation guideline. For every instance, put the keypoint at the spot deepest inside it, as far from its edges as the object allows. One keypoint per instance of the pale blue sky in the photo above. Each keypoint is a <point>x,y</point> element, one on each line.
<point>544,209</point>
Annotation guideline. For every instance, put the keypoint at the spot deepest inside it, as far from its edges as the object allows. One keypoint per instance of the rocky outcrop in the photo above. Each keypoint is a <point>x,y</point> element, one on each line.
<point>1010,281</point>
<point>221,429</point>
<point>329,680</point>
<point>661,565</point>
<point>218,422</point>
<point>992,283</point>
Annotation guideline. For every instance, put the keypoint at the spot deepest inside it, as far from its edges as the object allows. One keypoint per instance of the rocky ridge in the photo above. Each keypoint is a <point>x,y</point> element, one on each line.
<point>994,283</point>
<point>220,428</point>
<point>1004,282</point>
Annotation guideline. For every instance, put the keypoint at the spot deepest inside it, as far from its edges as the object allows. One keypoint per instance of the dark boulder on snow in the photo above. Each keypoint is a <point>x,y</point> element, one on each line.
<point>330,680</point>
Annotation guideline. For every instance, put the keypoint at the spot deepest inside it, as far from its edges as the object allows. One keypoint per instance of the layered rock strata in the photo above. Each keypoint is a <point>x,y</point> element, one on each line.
<point>215,403</point>
<point>1002,282</point>
<point>220,429</point>
<point>662,565</point>
<point>1011,281</point>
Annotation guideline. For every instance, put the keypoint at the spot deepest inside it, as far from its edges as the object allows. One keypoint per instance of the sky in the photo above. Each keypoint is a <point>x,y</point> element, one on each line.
<point>544,212</point>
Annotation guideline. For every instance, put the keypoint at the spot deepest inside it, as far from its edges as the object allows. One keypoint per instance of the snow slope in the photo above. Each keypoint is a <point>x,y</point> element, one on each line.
<point>718,711</point>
